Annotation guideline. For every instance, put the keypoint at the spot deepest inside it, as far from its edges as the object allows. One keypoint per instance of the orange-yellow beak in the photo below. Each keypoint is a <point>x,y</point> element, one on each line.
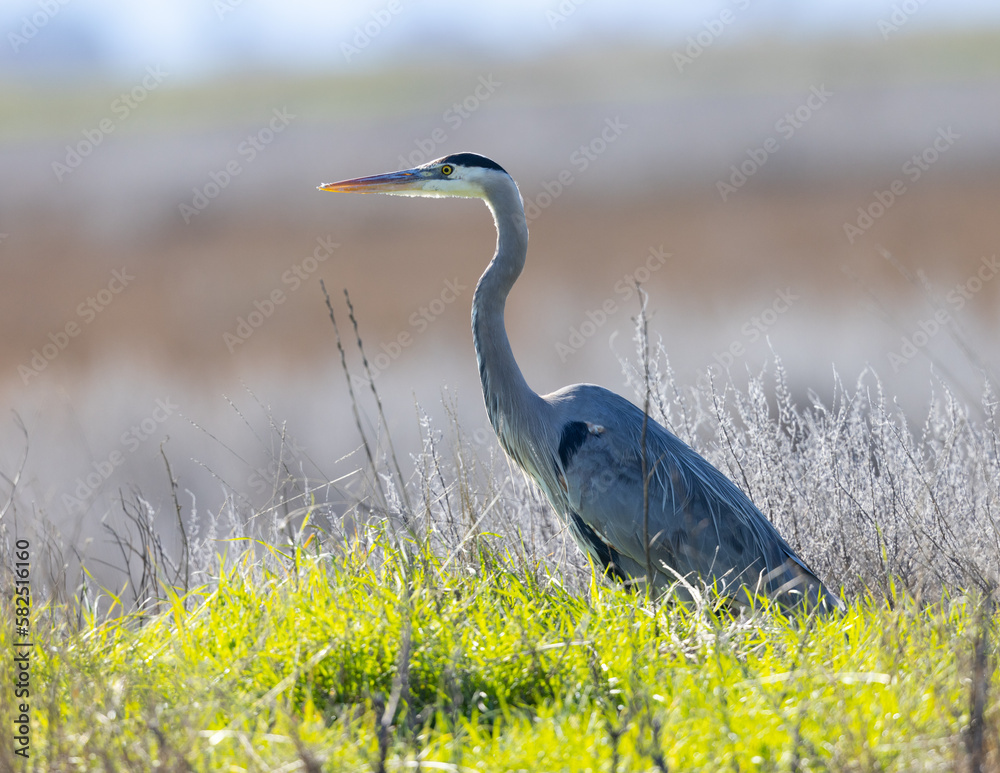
<point>393,182</point>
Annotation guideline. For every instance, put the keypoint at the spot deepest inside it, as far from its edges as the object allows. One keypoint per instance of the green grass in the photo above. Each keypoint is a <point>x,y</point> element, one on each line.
<point>288,663</point>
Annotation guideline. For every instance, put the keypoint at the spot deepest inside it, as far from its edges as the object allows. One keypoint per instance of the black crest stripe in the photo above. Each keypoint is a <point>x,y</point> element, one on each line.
<point>472,159</point>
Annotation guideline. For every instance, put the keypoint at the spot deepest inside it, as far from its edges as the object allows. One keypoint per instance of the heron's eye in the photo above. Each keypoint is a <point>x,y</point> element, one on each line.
<point>447,169</point>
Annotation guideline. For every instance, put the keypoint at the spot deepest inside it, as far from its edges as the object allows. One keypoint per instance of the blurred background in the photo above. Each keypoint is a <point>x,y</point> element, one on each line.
<point>819,175</point>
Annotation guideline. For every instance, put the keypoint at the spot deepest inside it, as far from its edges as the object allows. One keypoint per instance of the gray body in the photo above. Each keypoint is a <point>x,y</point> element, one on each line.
<point>583,443</point>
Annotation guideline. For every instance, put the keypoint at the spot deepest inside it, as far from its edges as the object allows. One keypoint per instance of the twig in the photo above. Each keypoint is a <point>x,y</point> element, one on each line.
<point>20,467</point>
<point>644,331</point>
<point>381,413</point>
<point>982,672</point>
<point>354,399</point>
<point>185,549</point>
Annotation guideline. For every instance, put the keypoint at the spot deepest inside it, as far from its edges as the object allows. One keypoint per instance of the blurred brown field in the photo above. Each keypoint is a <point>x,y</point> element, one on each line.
<point>202,276</point>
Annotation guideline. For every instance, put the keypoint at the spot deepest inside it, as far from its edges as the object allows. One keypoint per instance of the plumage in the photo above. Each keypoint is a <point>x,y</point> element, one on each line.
<point>583,444</point>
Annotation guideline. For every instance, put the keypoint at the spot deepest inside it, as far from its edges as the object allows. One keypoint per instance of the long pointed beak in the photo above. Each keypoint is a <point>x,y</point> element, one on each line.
<point>393,182</point>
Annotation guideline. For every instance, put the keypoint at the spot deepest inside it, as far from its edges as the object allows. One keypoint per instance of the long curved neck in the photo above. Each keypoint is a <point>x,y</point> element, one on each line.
<point>510,402</point>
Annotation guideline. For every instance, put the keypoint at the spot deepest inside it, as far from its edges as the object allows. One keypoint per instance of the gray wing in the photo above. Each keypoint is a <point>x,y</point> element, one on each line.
<point>701,525</point>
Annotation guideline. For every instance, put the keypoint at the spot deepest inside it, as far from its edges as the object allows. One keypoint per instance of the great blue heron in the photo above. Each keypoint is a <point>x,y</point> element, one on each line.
<point>583,443</point>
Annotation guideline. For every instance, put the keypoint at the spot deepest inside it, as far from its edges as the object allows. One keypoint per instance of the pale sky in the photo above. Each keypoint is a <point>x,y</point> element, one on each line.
<point>203,37</point>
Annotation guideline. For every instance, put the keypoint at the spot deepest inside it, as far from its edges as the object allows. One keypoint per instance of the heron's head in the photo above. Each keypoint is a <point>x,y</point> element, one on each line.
<point>461,174</point>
